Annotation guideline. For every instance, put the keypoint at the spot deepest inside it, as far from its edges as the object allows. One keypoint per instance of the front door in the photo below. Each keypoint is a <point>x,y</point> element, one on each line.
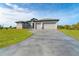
<point>33,25</point>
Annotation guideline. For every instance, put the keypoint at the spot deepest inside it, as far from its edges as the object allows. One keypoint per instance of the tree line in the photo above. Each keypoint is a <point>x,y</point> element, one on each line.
<point>10,27</point>
<point>69,27</point>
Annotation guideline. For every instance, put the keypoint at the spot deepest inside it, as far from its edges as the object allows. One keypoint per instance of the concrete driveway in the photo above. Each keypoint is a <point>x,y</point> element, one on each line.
<point>44,43</point>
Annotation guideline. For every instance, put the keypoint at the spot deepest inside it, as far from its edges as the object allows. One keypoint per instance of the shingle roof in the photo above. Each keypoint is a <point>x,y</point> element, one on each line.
<point>46,19</point>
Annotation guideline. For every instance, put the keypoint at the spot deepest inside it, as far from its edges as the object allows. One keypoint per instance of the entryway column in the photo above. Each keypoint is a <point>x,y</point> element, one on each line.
<point>35,24</point>
<point>32,25</point>
<point>42,25</point>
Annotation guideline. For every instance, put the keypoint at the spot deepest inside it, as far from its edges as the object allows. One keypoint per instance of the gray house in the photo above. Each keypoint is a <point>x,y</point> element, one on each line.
<point>38,24</point>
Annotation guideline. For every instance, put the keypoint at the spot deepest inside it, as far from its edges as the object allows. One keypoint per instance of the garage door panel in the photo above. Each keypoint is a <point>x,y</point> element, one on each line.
<point>50,26</point>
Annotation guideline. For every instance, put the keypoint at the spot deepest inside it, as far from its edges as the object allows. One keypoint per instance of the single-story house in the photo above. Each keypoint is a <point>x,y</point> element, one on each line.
<point>38,24</point>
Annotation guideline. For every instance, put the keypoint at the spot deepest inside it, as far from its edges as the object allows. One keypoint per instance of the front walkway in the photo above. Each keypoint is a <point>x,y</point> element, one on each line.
<point>44,43</point>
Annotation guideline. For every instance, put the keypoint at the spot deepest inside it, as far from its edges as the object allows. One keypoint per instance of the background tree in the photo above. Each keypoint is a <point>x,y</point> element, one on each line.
<point>60,27</point>
<point>67,26</point>
<point>71,27</point>
<point>77,26</point>
<point>1,27</point>
<point>10,27</point>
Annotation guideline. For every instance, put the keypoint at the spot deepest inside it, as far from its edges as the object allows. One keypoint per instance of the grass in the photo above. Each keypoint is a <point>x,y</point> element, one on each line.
<point>12,36</point>
<point>72,33</point>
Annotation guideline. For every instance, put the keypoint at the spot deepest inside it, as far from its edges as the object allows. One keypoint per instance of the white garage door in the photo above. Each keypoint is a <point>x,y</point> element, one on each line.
<point>50,26</point>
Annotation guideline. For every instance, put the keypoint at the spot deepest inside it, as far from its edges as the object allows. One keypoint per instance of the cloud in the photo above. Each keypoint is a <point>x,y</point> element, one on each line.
<point>14,6</point>
<point>9,16</point>
<point>18,9</point>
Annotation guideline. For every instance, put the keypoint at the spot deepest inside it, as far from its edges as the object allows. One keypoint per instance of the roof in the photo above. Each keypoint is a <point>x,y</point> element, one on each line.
<point>41,20</point>
<point>47,20</point>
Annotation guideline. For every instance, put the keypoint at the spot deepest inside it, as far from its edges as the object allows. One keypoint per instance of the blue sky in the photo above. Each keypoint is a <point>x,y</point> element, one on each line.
<point>67,13</point>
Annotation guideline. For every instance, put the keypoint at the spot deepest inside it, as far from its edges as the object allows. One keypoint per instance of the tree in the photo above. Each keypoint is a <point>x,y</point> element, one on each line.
<point>71,27</point>
<point>67,26</point>
<point>1,27</point>
<point>77,26</point>
<point>10,27</point>
<point>60,27</point>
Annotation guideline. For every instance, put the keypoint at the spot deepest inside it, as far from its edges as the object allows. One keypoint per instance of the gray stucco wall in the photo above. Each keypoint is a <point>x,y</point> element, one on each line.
<point>23,25</point>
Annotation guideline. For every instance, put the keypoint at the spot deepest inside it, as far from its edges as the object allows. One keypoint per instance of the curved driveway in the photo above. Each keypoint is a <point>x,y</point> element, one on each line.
<point>44,43</point>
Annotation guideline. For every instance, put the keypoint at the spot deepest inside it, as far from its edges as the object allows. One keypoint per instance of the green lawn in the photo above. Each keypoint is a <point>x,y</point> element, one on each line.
<point>13,36</point>
<point>72,33</point>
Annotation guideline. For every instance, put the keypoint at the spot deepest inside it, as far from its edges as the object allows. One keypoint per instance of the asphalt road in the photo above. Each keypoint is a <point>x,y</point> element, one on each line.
<point>44,43</point>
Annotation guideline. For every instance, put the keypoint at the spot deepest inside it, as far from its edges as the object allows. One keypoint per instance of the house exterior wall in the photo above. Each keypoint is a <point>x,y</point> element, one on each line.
<point>38,25</point>
<point>19,26</point>
<point>26,25</point>
<point>23,25</point>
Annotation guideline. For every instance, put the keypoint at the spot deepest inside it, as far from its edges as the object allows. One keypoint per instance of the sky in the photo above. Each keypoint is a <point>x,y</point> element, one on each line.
<point>67,13</point>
